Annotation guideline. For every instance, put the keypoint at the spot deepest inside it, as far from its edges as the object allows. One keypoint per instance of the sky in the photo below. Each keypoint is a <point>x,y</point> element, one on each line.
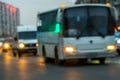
<point>30,8</point>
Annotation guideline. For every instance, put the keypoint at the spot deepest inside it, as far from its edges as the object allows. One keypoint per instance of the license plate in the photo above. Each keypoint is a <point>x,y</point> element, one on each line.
<point>91,55</point>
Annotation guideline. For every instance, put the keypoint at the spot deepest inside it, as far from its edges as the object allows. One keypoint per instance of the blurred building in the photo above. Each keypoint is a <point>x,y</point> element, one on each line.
<point>9,19</point>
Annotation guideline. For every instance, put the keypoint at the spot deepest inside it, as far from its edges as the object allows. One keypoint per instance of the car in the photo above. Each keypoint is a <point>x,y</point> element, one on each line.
<point>1,42</point>
<point>6,46</point>
<point>117,41</point>
<point>25,41</point>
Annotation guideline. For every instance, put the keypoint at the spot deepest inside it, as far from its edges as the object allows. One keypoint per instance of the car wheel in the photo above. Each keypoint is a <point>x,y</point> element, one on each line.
<point>44,54</point>
<point>14,54</point>
<point>102,60</point>
<point>35,54</point>
<point>19,54</point>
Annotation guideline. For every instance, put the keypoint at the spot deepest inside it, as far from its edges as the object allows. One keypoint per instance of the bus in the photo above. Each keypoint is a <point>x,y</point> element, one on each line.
<point>83,32</point>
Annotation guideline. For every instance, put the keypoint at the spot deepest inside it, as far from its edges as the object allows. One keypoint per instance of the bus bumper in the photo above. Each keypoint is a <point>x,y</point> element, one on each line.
<point>91,55</point>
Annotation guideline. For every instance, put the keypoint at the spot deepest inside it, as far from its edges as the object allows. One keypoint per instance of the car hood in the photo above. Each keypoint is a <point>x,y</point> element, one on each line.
<point>28,41</point>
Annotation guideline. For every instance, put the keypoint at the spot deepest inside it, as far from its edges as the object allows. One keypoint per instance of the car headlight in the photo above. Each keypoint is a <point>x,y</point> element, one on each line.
<point>69,49</point>
<point>37,44</point>
<point>111,47</point>
<point>1,44</point>
<point>6,45</point>
<point>118,41</point>
<point>21,45</point>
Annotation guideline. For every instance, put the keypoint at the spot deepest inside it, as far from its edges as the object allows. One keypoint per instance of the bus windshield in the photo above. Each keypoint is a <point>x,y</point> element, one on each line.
<point>27,35</point>
<point>87,21</point>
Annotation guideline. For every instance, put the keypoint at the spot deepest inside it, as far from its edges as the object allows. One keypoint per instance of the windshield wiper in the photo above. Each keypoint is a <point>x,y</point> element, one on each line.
<point>96,29</point>
<point>79,35</point>
<point>90,24</point>
<point>102,35</point>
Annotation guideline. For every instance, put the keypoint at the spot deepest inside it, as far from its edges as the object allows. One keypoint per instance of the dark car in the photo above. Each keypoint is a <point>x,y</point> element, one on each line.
<point>1,42</point>
<point>7,44</point>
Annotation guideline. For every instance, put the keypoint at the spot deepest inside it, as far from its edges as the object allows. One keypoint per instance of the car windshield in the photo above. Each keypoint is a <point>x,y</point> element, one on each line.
<point>27,35</point>
<point>9,40</point>
<point>2,39</point>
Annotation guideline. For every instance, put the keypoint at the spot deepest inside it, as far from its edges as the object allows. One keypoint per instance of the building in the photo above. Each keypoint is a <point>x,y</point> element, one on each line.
<point>9,19</point>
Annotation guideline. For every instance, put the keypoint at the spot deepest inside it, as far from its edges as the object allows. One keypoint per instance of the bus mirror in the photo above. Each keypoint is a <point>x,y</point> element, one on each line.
<point>116,14</point>
<point>117,17</point>
<point>39,28</point>
<point>59,16</point>
<point>59,19</point>
<point>39,23</point>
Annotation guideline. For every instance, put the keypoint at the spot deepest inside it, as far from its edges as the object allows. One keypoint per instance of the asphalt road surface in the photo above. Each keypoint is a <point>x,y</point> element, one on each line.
<point>33,68</point>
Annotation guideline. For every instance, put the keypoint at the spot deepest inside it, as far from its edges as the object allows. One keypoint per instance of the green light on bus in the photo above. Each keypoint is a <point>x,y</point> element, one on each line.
<point>57,28</point>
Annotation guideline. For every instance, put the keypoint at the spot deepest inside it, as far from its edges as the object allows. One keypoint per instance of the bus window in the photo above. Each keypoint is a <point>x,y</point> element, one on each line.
<point>76,20</point>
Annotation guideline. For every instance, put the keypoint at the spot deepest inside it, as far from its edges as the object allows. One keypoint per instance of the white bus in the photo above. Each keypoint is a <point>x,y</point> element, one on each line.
<point>84,31</point>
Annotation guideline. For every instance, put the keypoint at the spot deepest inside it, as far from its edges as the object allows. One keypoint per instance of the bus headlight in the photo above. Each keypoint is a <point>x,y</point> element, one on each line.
<point>69,49</point>
<point>118,41</point>
<point>21,45</point>
<point>111,47</point>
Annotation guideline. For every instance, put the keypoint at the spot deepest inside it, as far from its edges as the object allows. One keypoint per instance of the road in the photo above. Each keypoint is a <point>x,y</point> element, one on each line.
<point>34,68</point>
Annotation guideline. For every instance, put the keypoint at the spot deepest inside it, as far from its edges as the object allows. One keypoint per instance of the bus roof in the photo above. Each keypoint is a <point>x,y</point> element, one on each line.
<point>71,6</point>
<point>48,11</point>
<point>26,28</point>
<point>80,5</point>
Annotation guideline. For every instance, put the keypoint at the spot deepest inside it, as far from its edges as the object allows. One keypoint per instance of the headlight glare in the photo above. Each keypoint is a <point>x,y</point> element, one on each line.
<point>21,45</point>
<point>69,49</point>
<point>111,47</point>
<point>6,45</point>
<point>118,41</point>
<point>37,44</point>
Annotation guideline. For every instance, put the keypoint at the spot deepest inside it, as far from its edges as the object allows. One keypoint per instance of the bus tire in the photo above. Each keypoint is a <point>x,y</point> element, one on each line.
<point>44,54</point>
<point>56,60</point>
<point>102,60</point>
<point>35,54</point>
<point>118,52</point>
<point>19,54</point>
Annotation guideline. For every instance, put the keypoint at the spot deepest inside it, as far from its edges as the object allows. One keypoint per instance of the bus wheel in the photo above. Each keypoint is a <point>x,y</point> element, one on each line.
<point>19,54</point>
<point>118,51</point>
<point>35,54</point>
<point>56,60</point>
<point>44,54</point>
<point>102,60</point>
